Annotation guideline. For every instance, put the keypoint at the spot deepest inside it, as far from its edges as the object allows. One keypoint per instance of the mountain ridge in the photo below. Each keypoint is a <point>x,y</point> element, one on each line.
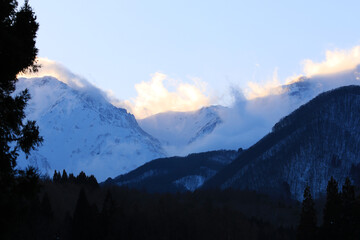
<point>293,139</point>
<point>176,174</point>
<point>188,127</point>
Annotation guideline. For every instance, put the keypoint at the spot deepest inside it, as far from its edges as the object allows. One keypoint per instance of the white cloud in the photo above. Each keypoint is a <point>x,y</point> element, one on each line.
<point>58,71</point>
<point>154,97</point>
<point>256,90</point>
<point>75,81</point>
<point>160,94</point>
<point>335,61</point>
<point>258,107</point>
<point>254,111</point>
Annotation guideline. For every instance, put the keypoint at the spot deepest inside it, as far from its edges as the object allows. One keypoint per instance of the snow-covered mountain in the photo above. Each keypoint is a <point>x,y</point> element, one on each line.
<point>243,123</point>
<point>84,132</point>
<point>304,89</point>
<point>182,128</point>
<point>319,140</point>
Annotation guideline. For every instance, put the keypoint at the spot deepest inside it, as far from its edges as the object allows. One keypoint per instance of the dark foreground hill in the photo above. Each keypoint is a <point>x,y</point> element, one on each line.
<point>176,174</point>
<point>319,140</point>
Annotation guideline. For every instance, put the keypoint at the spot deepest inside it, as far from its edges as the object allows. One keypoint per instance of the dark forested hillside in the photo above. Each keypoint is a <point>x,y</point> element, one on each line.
<point>319,140</point>
<point>176,173</point>
<point>69,207</point>
<point>72,209</point>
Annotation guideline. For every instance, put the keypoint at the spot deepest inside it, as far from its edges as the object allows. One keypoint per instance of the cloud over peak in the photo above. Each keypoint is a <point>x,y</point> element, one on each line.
<point>155,96</point>
<point>335,61</point>
<point>162,93</point>
<point>159,94</point>
<point>58,71</point>
<point>258,90</point>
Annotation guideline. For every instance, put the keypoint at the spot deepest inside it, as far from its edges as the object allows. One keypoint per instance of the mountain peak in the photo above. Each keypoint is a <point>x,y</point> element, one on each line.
<point>84,132</point>
<point>178,129</point>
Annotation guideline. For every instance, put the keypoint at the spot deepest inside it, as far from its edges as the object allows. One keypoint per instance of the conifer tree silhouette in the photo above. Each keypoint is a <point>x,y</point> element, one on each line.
<point>81,219</point>
<point>348,210</point>
<point>64,177</point>
<point>331,228</point>
<point>307,229</point>
<point>18,28</point>
<point>84,221</point>
<point>17,54</point>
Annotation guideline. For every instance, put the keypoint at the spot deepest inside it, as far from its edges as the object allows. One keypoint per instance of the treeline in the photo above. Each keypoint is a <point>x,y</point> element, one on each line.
<point>69,207</point>
<point>341,214</point>
<point>130,214</point>
<point>76,210</point>
<point>82,178</point>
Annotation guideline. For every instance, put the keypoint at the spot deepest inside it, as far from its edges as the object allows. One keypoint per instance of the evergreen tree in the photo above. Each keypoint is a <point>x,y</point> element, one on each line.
<point>45,207</point>
<point>331,228</point>
<point>307,229</point>
<point>17,54</point>
<point>64,178</point>
<point>348,210</point>
<point>91,181</point>
<point>45,218</point>
<point>84,220</point>
<point>356,215</point>
<point>27,183</point>
<point>65,227</point>
<point>108,216</point>
<point>18,29</point>
<point>81,178</point>
<point>81,217</point>
<point>25,204</point>
<point>72,178</point>
<point>56,177</point>
<point>108,205</point>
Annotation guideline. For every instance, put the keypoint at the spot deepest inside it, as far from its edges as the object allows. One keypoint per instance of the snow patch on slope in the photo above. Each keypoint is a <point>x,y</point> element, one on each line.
<point>191,183</point>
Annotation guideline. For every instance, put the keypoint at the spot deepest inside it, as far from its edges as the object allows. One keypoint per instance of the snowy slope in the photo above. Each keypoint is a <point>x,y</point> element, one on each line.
<point>305,89</point>
<point>243,123</point>
<point>88,133</point>
<point>183,128</point>
<point>84,132</point>
<point>319,140</point>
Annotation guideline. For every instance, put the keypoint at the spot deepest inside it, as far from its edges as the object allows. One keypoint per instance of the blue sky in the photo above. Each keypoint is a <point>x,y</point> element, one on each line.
<point>118,44</point>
